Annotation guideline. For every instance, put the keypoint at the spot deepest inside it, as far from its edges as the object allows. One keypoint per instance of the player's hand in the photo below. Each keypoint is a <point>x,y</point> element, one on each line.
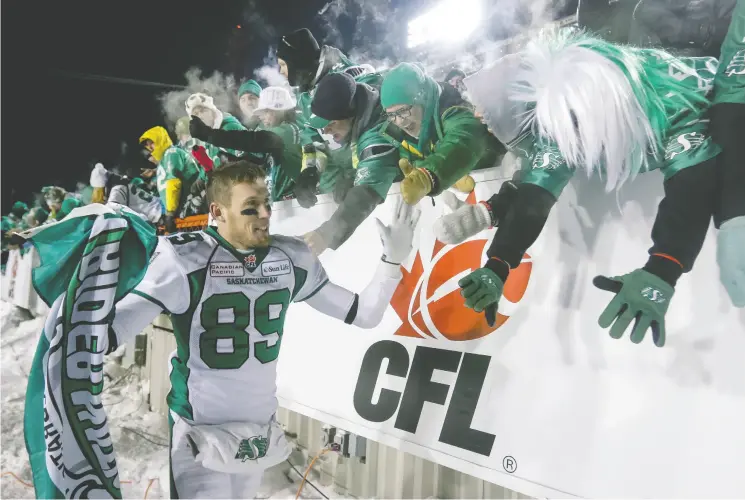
<point>398,237</point>
<point>640,296</point>
<point>417,182</point>
<point>315,242</point>
<point>731,259</point>
<point>169,221</point>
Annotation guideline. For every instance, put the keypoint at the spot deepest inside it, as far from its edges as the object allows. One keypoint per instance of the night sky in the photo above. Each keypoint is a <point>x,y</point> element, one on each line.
<point>56,126</point>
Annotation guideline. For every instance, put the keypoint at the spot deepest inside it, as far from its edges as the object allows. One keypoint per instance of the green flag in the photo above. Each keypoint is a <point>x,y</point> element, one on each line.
<point>89,261</point>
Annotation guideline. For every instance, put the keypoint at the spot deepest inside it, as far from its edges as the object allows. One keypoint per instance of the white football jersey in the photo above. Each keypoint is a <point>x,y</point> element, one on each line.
<point>139,200</point>
<point>228,310</point>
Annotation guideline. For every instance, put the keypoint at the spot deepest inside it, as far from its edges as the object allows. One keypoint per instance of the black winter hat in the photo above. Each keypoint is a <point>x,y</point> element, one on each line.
<point>453,73</point>
<point>299,48</point>
<point>334,98</point>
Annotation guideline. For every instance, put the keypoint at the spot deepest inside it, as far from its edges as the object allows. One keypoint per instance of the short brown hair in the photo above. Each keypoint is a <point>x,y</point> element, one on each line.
<point>224,178</point>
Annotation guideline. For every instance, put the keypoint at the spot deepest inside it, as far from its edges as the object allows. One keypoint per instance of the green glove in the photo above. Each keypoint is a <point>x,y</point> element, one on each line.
<point>640,295</point>
<point>482,290</point>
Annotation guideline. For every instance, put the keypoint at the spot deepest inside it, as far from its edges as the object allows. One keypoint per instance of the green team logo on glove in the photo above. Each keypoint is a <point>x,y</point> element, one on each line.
<point>487,280</point>
<point>548,158</point>
<point>653,295</point>
<point>252,448</point>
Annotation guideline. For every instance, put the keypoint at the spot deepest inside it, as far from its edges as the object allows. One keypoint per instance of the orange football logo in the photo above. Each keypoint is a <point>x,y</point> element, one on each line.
<point>428,299</point>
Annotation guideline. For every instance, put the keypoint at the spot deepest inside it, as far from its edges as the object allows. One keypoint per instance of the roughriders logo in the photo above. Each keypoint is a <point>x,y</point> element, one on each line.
<point>683,143</point>
<point>252,449</point>
<point>428,299</point>
<point>736,66</point>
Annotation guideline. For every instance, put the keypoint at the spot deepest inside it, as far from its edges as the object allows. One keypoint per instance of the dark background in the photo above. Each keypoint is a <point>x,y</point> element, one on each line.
<point>58,121</point>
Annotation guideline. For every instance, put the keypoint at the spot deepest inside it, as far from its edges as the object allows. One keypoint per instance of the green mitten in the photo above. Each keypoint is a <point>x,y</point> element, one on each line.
<point>482,290</point>
<point>640,295</point>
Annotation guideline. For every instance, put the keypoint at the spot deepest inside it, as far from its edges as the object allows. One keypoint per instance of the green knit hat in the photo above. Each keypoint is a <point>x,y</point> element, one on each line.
<point>408,84</point>
<point>19,208</point>
<point>250,87</point>
<point>404,84</point>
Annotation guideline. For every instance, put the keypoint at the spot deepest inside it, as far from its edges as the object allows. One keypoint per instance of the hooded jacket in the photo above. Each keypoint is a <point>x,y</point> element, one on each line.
<point>332,60</point>
<point>452,141</point>
<point>375,162</point>
<point>177,171</point>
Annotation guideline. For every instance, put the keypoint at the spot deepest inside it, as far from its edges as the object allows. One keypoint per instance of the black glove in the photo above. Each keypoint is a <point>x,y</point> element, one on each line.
<point>197,187</point>
<point>305,187</point>
<point>501,202</point>
<point>170,222</point>
<point>199,130</point>
<point>343,184</point>
<point>16,239</point>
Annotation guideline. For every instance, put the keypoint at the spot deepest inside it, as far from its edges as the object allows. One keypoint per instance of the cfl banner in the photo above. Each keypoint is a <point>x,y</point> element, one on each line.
<point>545,402</point>
<point>89,261</point>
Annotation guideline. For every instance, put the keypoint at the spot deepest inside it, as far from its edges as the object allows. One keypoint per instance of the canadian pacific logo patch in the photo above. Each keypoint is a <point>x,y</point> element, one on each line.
<point>227,269</point>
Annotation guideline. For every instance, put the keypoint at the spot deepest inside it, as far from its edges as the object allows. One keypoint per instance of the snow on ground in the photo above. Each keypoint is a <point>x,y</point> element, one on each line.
<point>140,436</point>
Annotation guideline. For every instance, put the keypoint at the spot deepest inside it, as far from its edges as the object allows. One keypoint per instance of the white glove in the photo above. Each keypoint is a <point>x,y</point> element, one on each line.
<point>465,221</point>
<point>99,176</point>
<point>398,237</point>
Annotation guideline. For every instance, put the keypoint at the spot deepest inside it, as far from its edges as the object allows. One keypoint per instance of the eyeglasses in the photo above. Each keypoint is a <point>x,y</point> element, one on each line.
<point>401,113</point>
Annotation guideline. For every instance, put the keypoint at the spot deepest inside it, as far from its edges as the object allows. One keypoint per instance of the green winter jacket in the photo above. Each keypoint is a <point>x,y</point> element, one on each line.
<point>177,172</point>
<point>729,83</point>
<point>457,144</point>
<point>282,174</point>
<point>332,60</point>
<point>212,151</point>
<point>339,169</point>
<point>375,162</point>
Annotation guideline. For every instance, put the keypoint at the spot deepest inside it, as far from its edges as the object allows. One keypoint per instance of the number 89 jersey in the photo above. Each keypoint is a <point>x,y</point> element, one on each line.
<point>228,310</point>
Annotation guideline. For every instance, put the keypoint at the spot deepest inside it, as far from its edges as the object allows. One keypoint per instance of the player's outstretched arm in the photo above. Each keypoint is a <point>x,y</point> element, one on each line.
<point>164,289</point>
<point>366,309</point>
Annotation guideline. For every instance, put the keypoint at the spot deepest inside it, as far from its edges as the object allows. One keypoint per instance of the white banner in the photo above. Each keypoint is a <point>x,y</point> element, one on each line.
<point>546,403</point>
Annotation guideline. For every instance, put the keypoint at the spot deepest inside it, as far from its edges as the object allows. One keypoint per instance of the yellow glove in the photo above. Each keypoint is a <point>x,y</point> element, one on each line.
<point>98,195</point>
<point>417,182</point>
<point>173,195</point>
<point>314,158</point>
<point>465,184</point>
